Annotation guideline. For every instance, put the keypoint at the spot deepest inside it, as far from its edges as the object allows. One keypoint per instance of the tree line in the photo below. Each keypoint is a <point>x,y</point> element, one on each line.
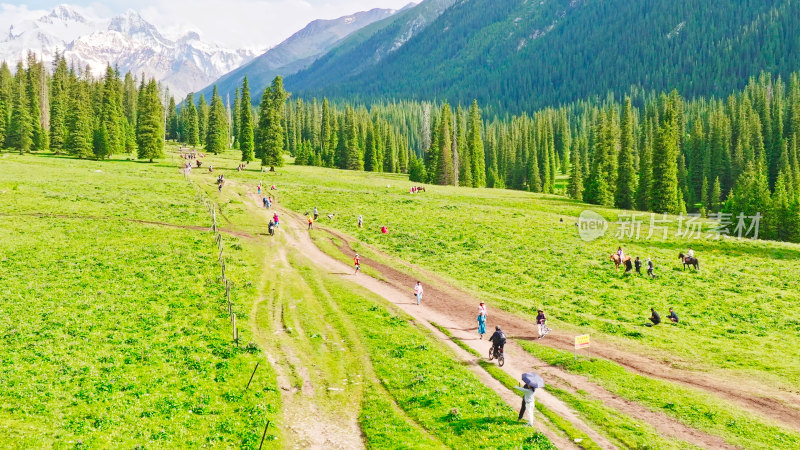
<point>69,111</point>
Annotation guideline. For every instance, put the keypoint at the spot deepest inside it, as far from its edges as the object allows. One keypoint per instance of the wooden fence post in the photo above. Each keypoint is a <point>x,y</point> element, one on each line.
<point>264,435</point>
<point>251,376</point>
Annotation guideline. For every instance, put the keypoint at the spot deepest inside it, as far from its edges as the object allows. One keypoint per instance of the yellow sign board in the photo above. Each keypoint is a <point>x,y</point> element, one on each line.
<point>581,341</point>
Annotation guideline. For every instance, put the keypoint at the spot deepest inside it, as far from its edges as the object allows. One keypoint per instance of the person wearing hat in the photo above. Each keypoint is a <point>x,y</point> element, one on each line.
<point>481,320</point>
<point>540,320</point>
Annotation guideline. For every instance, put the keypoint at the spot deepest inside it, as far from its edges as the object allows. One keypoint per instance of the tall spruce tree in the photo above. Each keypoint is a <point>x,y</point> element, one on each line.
<point>664,187</point>
<point>444,164</point>
<point>79,121</point>
<point>475,145</point>
<point>172,120</point>
<point>626,181</point>
<point>246,123</point>
<point>217,127</point>
<point>269,136</point>
<point>150,123</point>
<point>20,127</point>
<point>191,123</point>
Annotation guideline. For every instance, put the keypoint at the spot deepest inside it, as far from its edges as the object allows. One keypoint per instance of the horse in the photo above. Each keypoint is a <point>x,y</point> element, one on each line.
<point>614,257</point>
<point>689,261</point>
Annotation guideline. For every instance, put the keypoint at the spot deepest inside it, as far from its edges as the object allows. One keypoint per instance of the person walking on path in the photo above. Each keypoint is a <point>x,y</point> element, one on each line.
<point>532,382</point>
<point>310,222</point>
<point>316,214</point>
<point>259,188</point>
<point>276,220</point>
<point>357,263</point>
<point>481,320</point>
<point>540,320</point>
<point>265,202</point>
<point>269,202</point>
<point>418,292</point>
<point>638,264</point>
<point>360,221</point>
<point>271,228</point>
<point>650,268</point>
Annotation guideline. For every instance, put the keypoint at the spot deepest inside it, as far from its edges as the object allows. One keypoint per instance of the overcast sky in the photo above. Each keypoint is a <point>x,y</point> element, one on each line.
<point>233,23</point>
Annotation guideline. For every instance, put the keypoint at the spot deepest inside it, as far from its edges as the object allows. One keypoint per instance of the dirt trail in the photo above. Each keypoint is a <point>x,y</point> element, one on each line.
<point>304,424</point>
<point>775,404</point>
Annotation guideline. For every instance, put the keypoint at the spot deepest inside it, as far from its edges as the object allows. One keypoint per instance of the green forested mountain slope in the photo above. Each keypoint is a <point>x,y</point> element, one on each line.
<point>370,45</point>
<point>522,54</point>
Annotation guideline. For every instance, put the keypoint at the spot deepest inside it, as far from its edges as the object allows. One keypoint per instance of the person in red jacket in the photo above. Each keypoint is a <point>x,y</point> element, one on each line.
<point>357,263</point>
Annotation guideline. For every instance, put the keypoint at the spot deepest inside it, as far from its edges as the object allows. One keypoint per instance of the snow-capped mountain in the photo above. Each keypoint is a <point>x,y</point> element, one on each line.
<point>127,41</point>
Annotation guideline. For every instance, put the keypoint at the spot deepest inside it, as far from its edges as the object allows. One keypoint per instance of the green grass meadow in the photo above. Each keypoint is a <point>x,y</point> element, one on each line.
<point>114,332</point>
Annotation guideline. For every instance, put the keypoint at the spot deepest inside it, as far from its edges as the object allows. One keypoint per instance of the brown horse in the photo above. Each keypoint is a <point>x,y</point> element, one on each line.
<point>614,257</point>
<point>689,261</point>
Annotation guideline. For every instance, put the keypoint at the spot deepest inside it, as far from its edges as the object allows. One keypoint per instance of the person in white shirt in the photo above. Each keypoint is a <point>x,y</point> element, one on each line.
<point>418,292</point>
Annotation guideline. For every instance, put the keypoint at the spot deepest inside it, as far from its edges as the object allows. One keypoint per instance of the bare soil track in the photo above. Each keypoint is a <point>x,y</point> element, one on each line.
<point>456,314</point>
<point>778,405</point>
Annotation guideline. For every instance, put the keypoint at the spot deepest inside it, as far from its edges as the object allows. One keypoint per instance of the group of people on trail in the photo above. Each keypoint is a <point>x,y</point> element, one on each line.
<point>242,167</point>
<point>655,318</point>
<point>267,202</point>
<point>273,224</point>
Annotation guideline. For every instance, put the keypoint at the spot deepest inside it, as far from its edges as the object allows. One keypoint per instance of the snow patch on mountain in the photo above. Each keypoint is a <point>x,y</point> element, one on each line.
<point>128,42</point>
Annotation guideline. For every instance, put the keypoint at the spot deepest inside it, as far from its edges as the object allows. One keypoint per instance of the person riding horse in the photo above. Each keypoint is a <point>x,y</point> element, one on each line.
<point>688,260</point>
<point>617,262</point>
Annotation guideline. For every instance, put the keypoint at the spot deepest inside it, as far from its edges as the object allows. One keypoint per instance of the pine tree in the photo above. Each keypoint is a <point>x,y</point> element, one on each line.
<point>79,122</point>
<point>20,127</point>
<point>664,188</point>
<point>575,188</point>
<point>59,90</point>
<point>371,151</point>
<point>190,121</point>
<point>111,138</point>
<point>269,137</point>
<point>246,123</point>
<point>645,169</point>
<point>217,127</point>
<point>626,182</point>
<point>444,165</point>
<point>130,98</point>
<point>150,124</point>
<point>465,153</point>
<point>172,120</point>
<point>203,111</point>
<point>35,80</point>
<point>235,119</point>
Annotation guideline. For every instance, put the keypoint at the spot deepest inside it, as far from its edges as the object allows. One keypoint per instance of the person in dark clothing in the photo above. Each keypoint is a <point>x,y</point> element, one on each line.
<point>638,264</point>
<point>672,316</point>
<point>498,339</point>
<point>650,268</point>
<point>271,228</point>
<point>655,318</point>
<point>628,266</point>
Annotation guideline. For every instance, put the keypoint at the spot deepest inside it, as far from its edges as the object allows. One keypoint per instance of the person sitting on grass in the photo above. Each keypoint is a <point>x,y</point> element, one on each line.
<point>655,318</point>
<point>672,316</point>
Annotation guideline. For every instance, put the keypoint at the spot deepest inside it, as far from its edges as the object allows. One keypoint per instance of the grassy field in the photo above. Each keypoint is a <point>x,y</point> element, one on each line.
<point>114,331</point>
<point>511,249</point>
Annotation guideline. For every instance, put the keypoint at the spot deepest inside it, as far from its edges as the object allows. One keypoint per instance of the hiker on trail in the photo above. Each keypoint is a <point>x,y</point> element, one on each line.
<point>638,264</point>
<point>271,228</point>
<point>672,316</point>
<point>219,187</point>
<point>531,382</point>
<point>357,263</point>
<point>269,202</point>
<point>276,220</point>
<point>418,292</point>
<point>210,168</point>
<point>316,214</point>
<point>498,339</point>
<point>650,268</point>
<point>259,188</point>
<point>540,321</point>
<point>360,221</point>
<point>655,318</point>
<point>481,320</point>
<point>265,202</point>
<point>310,222</point>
